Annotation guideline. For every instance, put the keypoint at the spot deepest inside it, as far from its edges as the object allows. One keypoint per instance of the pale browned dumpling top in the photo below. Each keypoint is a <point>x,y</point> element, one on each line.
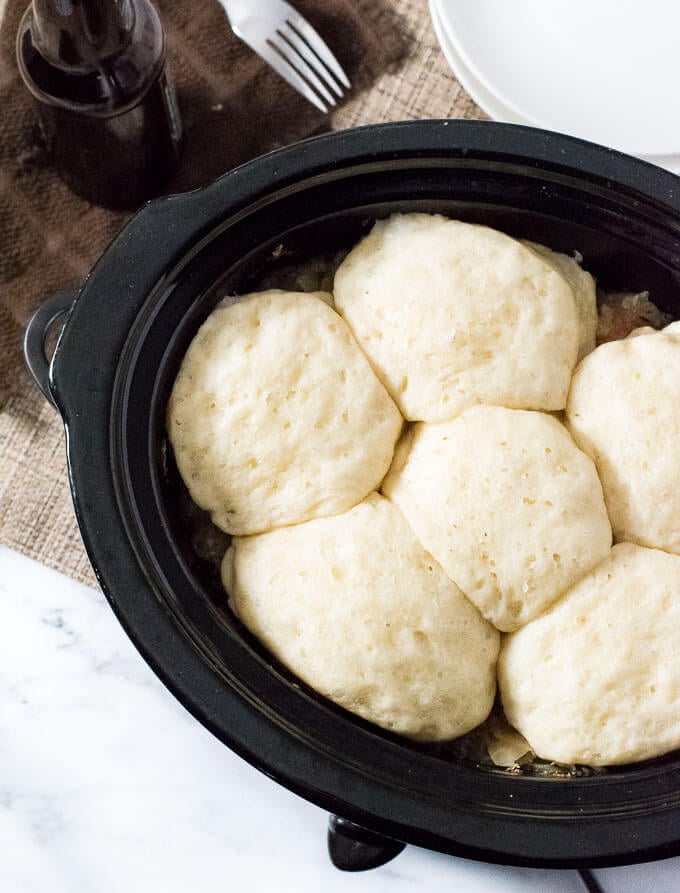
<point>451,314</point>
<point>624,411</point>
<point>596,679</point>
<point>276,416</point>
<point>358,609</point>
<point>508,505</point>
<point>585,293</point>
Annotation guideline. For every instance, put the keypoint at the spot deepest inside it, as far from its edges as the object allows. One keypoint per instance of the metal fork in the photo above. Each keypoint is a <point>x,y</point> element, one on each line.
<point>287,41</point>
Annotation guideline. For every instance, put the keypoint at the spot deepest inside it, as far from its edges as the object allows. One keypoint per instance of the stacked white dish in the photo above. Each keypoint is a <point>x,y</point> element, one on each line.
<point>605,72</point>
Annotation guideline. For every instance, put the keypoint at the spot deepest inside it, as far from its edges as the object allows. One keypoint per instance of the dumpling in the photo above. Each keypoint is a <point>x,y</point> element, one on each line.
<point>585,293</point>
<point>276,416</point>
<point>624,411</point>
<point>594,680</point>
<point>451,314</point>
<point>508,505</point>
<point>355,607</point>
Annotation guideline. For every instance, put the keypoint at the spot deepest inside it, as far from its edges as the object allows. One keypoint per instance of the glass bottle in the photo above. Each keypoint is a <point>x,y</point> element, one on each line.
<point>106,105</point>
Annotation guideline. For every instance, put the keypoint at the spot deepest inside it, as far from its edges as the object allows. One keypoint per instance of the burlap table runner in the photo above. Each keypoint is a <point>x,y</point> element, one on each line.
<point>50,238</point>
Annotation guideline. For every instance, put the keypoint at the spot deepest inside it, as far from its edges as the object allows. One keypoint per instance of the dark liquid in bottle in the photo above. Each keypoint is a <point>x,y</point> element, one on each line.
<point>107,108</point>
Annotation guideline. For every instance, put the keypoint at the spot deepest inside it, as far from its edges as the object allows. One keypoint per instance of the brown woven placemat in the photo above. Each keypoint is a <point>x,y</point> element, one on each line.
<point>50,238</point>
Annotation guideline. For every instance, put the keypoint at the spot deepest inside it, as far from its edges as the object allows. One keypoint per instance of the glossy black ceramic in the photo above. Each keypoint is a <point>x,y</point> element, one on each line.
<point>110,378</point>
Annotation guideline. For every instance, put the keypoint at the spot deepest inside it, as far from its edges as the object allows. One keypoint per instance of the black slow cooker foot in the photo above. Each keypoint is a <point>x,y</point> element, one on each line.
<point>353,848</point>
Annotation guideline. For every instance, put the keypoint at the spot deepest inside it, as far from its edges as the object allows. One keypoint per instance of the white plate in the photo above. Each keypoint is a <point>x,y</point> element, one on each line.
<point>483,97</point>
<point>602,70</point>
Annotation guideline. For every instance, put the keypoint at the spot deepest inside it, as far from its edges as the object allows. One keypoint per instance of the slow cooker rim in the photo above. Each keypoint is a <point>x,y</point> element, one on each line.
<point>73,422</point>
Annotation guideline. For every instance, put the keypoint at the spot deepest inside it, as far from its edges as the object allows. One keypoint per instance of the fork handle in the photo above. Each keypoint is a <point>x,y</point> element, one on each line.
<point>237,10</point>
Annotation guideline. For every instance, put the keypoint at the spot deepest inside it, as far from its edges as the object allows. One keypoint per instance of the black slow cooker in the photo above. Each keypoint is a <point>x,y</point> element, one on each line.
<point>118,353</point>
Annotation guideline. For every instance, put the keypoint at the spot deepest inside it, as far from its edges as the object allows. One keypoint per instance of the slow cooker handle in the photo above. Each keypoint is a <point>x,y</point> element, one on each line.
<point>39,325</point>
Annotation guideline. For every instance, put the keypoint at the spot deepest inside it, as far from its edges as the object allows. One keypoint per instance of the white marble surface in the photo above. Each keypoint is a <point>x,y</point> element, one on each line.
<point>108,785</point>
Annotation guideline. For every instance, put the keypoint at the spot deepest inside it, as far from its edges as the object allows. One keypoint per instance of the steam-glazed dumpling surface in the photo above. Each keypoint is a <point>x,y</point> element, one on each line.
<point>624,411</point>
<point>357,608</point>
<point>583,287</point>
<point>508,505</point>
<point>451,314</point>
<point>276,416</point>
<point>595,679</point>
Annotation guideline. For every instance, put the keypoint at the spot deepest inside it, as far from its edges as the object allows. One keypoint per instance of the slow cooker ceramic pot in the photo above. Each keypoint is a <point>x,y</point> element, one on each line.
<point>110,377</point>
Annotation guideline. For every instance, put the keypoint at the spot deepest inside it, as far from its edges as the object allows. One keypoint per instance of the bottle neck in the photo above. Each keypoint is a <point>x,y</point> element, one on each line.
<point>75,33</point>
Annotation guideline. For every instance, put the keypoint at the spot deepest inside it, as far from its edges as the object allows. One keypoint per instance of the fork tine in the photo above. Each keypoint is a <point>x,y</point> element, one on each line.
<point>293,56</point>
<point>289,33</point>
<point>319,46</point>
<point>282,67</point>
